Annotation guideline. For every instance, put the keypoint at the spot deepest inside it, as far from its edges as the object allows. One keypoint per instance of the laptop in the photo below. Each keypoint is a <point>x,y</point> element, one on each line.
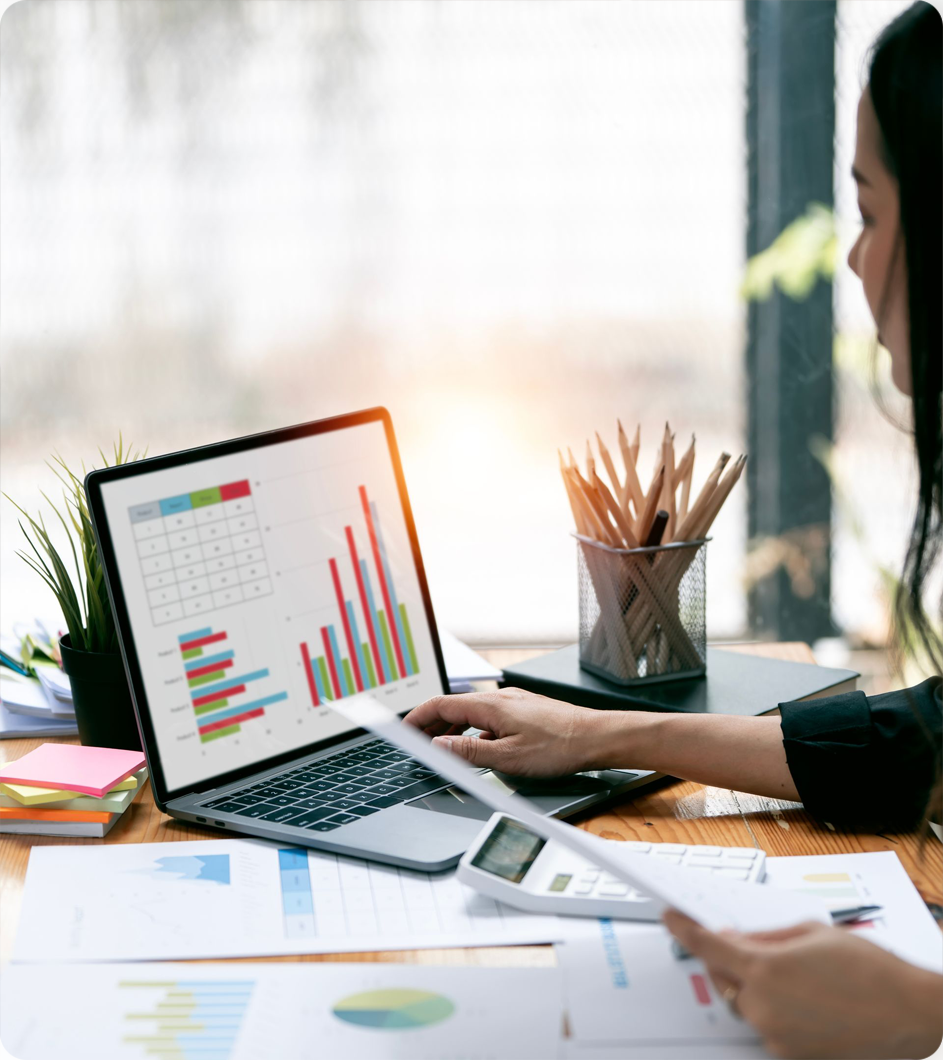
<point>256,582</point>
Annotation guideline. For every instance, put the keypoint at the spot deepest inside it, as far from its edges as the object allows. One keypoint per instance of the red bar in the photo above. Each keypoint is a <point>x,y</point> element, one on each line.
<point>219,695</point>
<point>700,989</point>
<point>235,720</point>
<point>351,647</point>
<point>211,639</point>
<point>232,490</point>
<point>390,617</point>
<point>211,669</point>
<point>329,655</point>
<point>351,544</point>
<point>312,687</point>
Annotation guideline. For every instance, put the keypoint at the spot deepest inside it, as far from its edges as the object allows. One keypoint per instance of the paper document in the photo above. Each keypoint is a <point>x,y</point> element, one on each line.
<point>289,1011</point>
<point>245,898</point>
<point>904,926</point>
<point>463,664</point>
<point>623,983</point>
<point>714,903</point>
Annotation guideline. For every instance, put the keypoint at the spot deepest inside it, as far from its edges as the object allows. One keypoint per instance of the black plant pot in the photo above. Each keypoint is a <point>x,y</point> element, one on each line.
<point>103,709</point>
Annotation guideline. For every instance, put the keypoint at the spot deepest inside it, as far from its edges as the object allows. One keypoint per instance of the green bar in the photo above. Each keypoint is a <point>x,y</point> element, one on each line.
<point>348,673</point>
<point>325,677</point>
<point>192,653</point>
<point>370,674</point>
<point>409,638</point>
<point>216,733</point>
<point>390,661</point>
<point>203,679</point>
<point>201,498</point>
<point>217,704</point>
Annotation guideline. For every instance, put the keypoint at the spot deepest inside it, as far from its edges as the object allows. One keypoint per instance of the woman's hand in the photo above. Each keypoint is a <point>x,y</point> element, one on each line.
<point>817,991</point>
<point>522,733</point>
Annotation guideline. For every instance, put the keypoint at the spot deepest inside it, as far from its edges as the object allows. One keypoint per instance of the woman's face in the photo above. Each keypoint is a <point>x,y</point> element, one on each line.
<point>878,257</point>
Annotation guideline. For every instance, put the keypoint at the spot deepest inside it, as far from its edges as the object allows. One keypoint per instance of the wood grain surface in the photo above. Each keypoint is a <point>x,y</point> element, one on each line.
<point>673,812</point>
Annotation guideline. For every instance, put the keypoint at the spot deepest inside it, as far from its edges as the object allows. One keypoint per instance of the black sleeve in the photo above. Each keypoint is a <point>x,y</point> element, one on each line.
<point>866,762</point>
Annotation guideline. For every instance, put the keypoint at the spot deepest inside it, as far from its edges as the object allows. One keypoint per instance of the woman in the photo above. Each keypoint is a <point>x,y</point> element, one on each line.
<point>811,991</point>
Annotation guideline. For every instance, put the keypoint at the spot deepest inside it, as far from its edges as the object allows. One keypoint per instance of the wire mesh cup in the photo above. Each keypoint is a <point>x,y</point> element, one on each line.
<point>642,611</point>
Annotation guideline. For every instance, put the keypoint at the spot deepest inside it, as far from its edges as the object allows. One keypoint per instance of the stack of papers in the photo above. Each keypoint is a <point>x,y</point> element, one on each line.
<point>63,790</point>
<point>39,705</point>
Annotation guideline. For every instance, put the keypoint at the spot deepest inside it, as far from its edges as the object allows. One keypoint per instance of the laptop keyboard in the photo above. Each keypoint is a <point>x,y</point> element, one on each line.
<point>335,791</point>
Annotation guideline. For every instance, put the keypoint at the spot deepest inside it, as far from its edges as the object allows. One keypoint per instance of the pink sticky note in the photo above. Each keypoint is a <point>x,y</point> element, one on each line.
<point>91,770</point>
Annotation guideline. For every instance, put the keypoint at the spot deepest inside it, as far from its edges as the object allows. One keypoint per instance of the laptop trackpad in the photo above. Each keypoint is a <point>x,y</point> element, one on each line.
<point>547,796</point>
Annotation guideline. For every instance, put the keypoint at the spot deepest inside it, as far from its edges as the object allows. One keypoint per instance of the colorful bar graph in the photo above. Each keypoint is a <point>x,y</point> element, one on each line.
<point>184,1018</point>
<point>388,653</point>
<point>215,695</point>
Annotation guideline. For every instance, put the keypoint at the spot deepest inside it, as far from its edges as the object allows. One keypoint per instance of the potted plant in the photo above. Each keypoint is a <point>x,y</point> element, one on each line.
<point>90,654</point>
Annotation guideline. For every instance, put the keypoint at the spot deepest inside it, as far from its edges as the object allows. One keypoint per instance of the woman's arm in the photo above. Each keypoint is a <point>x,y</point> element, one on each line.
<point>530,735</point>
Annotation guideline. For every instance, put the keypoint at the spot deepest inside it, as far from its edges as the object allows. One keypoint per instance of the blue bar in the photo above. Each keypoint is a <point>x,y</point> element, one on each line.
<point>207,719</point>
<point>365,677</point>
<point>172,505</point>
<point>221,686</point>
<point>195,635</point>
<point>208,660</point>
<point>338,663</point>
<point>318,684</point>
<point>395,617</point>
<point>292,858</point>
<point>390,675</point>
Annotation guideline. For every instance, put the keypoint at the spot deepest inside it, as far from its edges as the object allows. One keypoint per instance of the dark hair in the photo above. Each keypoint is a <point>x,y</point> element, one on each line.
<point>906,86</point>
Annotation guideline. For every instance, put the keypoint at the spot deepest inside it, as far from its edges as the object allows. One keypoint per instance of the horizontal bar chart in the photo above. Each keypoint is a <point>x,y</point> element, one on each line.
<point>216,695</point>
<point>389,652</point>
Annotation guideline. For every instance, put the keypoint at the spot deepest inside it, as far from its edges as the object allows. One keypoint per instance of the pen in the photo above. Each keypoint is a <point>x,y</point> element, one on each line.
<point>8,660</point>
<point>839,916</point>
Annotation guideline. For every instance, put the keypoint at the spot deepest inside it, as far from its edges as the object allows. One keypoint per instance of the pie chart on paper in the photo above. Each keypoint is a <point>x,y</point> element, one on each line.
<point>394,1010</point>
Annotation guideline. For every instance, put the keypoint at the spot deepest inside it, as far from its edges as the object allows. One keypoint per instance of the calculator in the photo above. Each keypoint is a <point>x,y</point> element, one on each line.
<point>518,867</point>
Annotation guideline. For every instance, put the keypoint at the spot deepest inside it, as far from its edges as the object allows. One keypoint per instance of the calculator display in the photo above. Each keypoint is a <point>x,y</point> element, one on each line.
<point>509,851</point>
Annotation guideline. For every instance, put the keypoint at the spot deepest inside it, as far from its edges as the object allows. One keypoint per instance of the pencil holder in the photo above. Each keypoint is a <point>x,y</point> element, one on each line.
<point>642,611</point>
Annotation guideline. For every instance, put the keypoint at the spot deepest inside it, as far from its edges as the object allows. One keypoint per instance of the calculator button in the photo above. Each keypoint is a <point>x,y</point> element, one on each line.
<point>733,874</point>
<point>670,848</point>
<point>613,890</point>
<point>640,848</point>
<point>704,852</point>
<point>699,862</point>
<point>740,854</point>
<point>583,888</point>
<point>671,859</point>
<point>590,876</point>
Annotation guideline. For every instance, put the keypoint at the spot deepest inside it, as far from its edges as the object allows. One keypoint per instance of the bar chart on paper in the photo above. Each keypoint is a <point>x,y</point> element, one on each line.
<point>221,693</point>
<point>388,654</point>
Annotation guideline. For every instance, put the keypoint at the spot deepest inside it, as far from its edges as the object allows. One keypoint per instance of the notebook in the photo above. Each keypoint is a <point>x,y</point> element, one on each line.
<point>735,684</point>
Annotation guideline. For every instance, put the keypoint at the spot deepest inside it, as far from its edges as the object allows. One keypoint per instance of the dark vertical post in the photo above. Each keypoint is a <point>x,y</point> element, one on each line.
<point>790,129</point>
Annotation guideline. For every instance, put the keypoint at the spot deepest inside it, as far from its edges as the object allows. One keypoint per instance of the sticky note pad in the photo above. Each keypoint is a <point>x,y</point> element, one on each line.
<point>30,795</point>
<point>90,770</point>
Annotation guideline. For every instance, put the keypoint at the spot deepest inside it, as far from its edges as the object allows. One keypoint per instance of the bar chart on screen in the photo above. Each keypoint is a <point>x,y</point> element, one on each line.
<point>222,694</point>
<point>340,662</point>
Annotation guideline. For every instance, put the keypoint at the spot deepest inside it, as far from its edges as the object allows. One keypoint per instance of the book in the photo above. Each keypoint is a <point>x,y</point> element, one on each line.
<point>27,795</point>
<point>735,683</point>
<point>90,770</point>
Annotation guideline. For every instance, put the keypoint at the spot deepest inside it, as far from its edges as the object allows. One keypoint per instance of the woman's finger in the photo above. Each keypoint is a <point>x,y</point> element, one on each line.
<point>729,954</point>
<point>472,709</point>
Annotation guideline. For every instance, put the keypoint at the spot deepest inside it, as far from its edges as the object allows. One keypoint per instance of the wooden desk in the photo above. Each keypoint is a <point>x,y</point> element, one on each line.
<point>678,812</point>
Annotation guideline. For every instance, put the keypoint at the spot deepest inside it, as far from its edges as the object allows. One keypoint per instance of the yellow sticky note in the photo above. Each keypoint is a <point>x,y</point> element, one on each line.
<point>27,795</point>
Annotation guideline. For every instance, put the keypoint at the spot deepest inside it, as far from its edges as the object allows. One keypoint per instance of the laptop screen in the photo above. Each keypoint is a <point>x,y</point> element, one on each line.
<point>262,585</point>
